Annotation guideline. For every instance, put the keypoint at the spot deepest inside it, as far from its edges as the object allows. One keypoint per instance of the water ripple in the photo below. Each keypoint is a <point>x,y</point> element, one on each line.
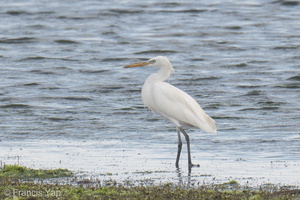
<point>62,78</point>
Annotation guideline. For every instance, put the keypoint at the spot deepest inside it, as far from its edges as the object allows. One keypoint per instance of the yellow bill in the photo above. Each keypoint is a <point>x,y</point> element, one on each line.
<point>141,64</point>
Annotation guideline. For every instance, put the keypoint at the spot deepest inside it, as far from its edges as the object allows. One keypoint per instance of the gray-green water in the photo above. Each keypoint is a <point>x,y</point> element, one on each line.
<point>65,100</point>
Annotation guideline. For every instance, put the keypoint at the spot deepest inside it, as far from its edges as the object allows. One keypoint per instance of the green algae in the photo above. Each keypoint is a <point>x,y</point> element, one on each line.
<point>17,171</point>
<point>17,182</point>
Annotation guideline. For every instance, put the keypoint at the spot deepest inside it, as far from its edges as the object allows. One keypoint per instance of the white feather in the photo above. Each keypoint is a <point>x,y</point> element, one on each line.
<point>171,102</point>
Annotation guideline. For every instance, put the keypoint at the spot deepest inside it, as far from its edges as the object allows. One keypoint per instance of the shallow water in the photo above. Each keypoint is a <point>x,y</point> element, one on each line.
<point>66,101</point>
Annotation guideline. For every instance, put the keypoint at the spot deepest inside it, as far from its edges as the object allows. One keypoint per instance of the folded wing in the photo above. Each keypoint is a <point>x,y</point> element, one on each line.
<point>179,107</point>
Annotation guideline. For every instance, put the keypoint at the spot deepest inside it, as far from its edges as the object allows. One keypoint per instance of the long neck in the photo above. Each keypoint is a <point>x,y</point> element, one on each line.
<point>163,73</point>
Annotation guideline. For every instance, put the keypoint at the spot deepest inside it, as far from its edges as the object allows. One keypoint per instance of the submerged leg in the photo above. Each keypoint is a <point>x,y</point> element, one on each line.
<point>187,138</point>
<point>179,147</point>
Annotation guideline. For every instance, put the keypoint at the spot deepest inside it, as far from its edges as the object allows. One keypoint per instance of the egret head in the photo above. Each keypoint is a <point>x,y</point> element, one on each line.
<point>159,61</point>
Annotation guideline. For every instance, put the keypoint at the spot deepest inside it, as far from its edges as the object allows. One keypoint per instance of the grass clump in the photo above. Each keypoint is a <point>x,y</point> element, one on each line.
<point>17,171</point>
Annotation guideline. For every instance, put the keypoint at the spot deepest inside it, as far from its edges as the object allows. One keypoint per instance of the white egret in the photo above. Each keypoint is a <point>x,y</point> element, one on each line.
<point>174,104</point>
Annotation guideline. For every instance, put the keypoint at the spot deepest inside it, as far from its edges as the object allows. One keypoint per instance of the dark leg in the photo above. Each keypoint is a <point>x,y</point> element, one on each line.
<point>187,138</point>
<point>179,147</point>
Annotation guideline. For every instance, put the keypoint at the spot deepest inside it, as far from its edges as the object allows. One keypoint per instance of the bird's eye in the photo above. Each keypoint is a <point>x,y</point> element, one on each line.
<point>152,61</point>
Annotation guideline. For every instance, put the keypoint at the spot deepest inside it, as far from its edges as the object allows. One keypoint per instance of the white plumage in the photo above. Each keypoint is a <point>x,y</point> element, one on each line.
<point>173,103</point>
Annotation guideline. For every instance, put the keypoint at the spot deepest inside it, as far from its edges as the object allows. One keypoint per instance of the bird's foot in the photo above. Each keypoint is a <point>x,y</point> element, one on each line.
<point>193,165</point>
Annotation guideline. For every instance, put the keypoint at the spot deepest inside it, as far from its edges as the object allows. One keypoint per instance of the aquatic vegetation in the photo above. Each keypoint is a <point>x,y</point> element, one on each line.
<point>16,183</point>
<point>17,171</point>
<point>24,190</point>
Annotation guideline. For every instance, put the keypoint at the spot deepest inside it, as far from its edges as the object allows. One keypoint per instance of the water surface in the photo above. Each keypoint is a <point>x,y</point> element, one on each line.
<point>66,101</point>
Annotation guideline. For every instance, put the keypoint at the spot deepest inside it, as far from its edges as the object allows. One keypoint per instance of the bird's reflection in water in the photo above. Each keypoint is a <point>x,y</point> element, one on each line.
<point>183,181</point>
